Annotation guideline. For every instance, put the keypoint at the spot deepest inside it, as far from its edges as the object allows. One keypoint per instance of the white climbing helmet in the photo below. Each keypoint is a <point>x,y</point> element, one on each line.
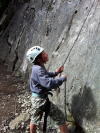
<point>33,52</point>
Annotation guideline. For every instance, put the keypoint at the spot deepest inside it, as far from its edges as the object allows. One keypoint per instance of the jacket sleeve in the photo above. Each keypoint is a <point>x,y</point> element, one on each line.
<point>48,82</point>
<point>52,74</point>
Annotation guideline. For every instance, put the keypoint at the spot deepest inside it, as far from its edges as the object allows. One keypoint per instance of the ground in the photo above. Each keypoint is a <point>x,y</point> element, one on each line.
<point>10,86</point>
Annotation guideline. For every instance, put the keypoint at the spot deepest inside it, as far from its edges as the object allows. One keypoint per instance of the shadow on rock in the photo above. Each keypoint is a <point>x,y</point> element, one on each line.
<point>83,106</point>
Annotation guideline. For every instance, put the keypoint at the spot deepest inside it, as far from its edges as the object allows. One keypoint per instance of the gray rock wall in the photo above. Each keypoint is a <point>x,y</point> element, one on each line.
<point>69,32</point>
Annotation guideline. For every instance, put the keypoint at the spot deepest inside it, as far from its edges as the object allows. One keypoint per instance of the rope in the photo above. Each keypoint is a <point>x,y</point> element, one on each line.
<point>78,35</point>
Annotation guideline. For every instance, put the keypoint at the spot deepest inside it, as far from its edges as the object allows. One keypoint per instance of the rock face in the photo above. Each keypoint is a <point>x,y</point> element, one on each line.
<point>69,32</point>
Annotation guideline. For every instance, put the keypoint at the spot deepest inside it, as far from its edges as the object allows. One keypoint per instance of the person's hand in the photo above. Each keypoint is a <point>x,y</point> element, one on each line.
<point>64,76</point>
<point>60,69</point>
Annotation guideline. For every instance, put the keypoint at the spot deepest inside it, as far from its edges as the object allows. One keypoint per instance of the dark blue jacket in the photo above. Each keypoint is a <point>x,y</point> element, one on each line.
<point>42,81</point>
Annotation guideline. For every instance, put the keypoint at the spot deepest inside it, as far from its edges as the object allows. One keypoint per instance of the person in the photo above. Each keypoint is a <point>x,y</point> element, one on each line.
<point>41,82</point>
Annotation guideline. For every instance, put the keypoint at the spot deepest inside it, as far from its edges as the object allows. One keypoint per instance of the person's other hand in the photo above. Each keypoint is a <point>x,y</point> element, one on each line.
<point>60,69</point>
<point>64,76</point>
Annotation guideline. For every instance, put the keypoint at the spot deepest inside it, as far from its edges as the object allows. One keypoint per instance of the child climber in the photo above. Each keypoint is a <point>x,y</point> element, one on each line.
<point>41,82</point>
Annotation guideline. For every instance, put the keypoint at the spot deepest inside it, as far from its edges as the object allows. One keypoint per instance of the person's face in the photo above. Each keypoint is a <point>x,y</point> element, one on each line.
<point>44,56</point>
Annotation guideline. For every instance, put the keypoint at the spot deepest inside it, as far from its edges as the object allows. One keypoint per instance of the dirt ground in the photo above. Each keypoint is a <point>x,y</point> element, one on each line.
<point>10,86</point>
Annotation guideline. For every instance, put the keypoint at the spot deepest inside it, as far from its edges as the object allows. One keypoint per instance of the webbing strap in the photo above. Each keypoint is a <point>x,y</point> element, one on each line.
<point>47,109</point>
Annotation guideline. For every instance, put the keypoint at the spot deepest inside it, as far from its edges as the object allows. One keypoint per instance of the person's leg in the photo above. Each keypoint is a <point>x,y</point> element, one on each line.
<point>58,116</point>
<point>63,128</point>
<point>37,105</point>
<point>33,128</point>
